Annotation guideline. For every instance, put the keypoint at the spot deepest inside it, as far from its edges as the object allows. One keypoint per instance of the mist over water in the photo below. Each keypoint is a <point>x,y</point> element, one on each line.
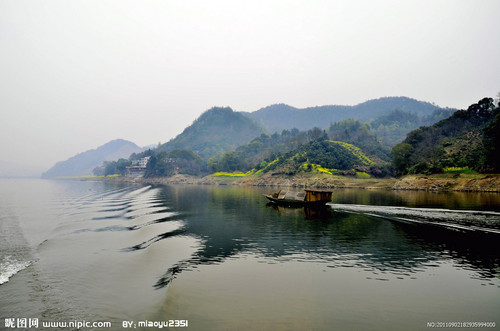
<point>221,257</point>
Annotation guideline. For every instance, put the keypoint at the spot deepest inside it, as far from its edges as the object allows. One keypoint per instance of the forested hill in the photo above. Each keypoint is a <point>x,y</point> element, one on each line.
<point>216,131</point>
<point>280,116</point>
<point>83,163</point>
<point>467,139</point>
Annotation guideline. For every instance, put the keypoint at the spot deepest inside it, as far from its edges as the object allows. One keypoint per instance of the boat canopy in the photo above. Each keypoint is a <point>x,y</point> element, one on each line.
<point>300,196</point>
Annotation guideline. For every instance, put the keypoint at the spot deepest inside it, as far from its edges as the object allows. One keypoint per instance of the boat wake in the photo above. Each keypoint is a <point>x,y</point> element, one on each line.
<point>460,220</point>
<point>9,267</point>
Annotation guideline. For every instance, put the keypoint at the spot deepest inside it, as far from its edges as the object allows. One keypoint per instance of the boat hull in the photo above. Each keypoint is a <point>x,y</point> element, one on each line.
<point>285,202</point>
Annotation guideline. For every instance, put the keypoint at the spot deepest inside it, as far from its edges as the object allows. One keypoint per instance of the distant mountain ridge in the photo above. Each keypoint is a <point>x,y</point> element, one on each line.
<point>221,129</point>
<point>276,118</point>
<point>82,164</point>
<point>227,140</point>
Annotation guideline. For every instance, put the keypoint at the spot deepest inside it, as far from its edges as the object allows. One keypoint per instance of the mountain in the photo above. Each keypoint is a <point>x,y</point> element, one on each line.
<point>83,163</point>
<point>276,118</point>
<point>295,151</point>
<point>378,136</point>
<point>392,128</point>
<point>216,131</point>
<point>467,139</point>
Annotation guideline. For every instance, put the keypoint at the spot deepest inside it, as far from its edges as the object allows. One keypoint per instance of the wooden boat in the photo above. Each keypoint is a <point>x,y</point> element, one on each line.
<point>304,198</point>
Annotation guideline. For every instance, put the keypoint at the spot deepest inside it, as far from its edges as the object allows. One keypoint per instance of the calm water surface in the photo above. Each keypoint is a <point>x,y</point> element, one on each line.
<point>223,259</point>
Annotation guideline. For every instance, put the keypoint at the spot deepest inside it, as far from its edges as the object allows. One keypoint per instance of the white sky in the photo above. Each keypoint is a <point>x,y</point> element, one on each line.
<point>77,74</point>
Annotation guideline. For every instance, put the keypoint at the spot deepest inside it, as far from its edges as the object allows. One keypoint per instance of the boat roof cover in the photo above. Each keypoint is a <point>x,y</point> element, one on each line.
<point>295,196</point>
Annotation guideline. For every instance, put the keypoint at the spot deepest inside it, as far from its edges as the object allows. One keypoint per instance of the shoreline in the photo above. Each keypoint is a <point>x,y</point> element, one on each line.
<point>434,183</point>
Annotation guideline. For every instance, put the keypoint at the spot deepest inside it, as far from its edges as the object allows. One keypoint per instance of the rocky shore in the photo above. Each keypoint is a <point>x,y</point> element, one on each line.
<point>461,183</point>
<point>444,182</point>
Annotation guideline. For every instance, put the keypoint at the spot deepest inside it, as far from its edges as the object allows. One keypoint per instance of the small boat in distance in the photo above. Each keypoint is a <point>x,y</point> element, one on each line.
<point>305,198</point>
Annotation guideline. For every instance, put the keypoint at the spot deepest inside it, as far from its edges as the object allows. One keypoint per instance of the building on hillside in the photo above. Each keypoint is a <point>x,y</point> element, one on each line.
<point>138,168</point>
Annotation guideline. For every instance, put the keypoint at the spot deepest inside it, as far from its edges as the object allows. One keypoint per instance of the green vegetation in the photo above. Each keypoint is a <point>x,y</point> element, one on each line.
<point>356,133</point>
<point>316,156</point>
<point>113,168</point>
<point>289,153</point>
<point>316,168</point>
<point>377,137</point>
<point>323,156</point>
<point>262,150</point>
<point>216,131</point>
<point>363,159</point>
<point>401,156</point>
<point>225,143</point>
<point>230,174</point>
<point>459,170</point>
<point>468,139</point>
<point>176,162</point>
<point>392,128</point>
<point>282,117</point>
<point>492,144</point>
<point>362,175</point>
<point>266,166</point>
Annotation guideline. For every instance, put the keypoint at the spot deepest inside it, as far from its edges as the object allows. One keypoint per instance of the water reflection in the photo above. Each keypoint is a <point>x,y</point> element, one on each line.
<point>237,221</point>
<point>422,199</point>
<point>308,212</point>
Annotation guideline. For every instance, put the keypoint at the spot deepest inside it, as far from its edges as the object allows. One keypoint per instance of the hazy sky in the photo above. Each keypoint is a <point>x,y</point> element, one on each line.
<point>77,74</point>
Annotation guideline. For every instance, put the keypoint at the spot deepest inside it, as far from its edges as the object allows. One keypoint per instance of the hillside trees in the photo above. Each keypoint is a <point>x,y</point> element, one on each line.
<point>286,152</point>
<point>392,128</point>
<point>279,117</point>
<point>176,162</point>
<point>118,167</point>
<point>264,148</point>
<point>492,145</point>
<point>217,130</point>
<point>359,134</point>
<point>401,154</point>
<point>331,156</point>
<point>468,138</point>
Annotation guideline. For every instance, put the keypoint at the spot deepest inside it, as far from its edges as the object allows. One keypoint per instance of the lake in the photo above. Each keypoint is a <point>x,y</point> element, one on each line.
<point>222,258</point>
